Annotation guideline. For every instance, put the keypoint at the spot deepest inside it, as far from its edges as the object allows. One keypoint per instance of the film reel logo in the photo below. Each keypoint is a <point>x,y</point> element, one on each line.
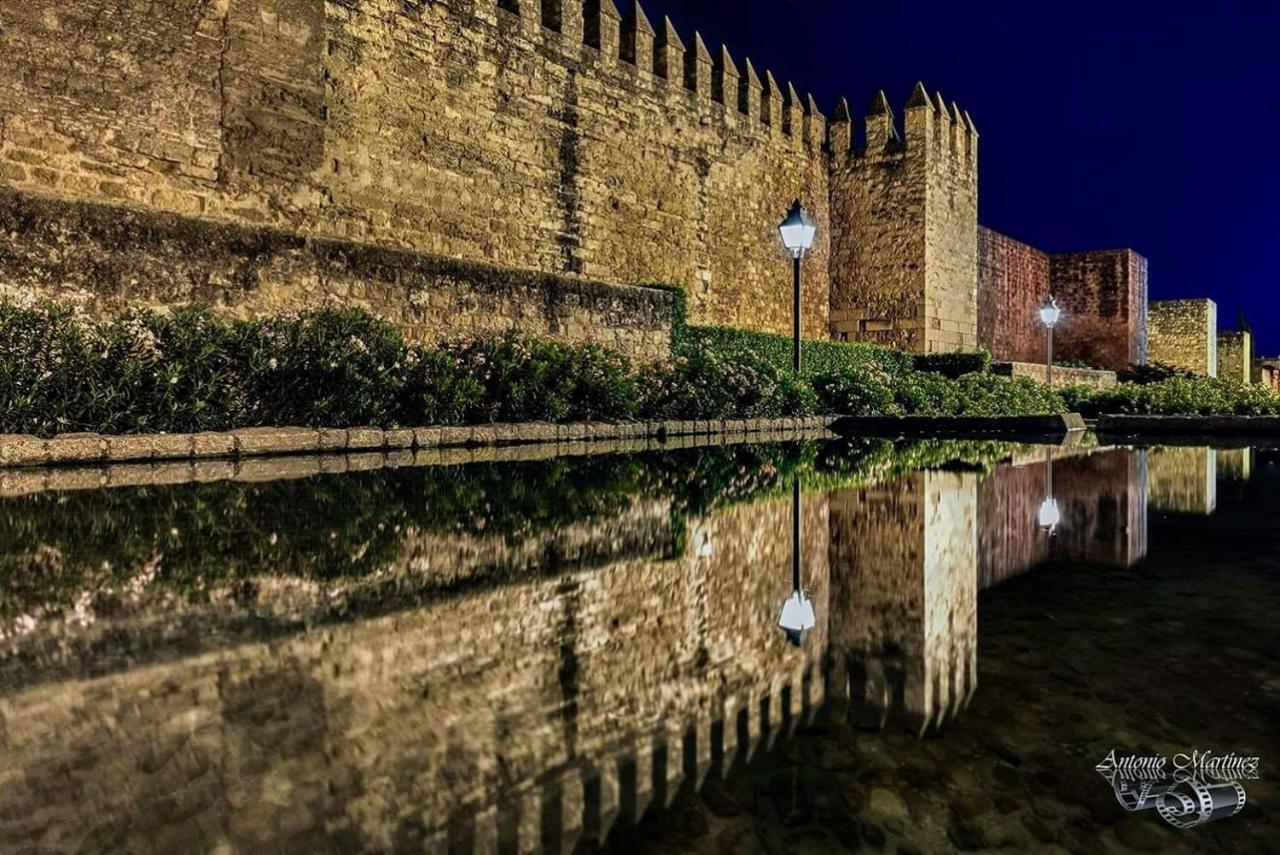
<point>1199,787</point>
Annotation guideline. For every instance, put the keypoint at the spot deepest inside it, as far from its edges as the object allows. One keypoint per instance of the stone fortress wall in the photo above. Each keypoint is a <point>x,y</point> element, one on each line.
<point>1235,355</point>
<point>1103,296</point>
<point>1184,334</point>
<point>492,164</point>
<point>591,145</point>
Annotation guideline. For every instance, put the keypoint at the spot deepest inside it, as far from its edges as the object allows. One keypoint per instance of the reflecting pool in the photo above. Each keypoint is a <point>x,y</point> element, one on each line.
<point>633,651</point>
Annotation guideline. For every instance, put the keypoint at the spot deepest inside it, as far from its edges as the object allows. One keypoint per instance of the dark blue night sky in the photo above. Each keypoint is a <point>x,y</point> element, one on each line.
<point>1104,125</point>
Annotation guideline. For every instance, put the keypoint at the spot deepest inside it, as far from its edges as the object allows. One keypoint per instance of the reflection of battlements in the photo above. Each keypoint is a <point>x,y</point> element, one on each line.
<point>524,714</point>
<point>904,613</point>
<point>1102,499</point>
<point>1183,479</point>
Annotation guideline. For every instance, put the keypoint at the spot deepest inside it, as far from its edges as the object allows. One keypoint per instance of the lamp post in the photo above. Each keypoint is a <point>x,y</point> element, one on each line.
<point>1049,514</point>
<point>797,231</point>
<point>1049,315</point>
<point>797,616</point>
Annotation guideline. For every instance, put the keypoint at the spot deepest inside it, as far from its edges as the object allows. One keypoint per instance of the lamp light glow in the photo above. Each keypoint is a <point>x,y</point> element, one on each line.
<point>798,230</point>
<point>1049,515</point>
<point>1050,314</point>
<point>797,617</point>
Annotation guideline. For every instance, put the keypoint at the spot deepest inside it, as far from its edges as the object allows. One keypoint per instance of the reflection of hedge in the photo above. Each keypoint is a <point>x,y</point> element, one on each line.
<point>338,529</point>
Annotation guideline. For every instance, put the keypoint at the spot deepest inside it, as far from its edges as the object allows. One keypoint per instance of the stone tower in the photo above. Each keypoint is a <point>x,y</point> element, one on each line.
<point>904,218</point>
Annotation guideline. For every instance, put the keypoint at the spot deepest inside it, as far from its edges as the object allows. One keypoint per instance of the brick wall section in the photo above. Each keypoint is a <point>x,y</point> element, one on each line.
<point>108,258</point>
<point>1235,356</point>
<point>1103,297</point>
<point>1013,282</point>
<point>1184,334</point>
<point>1104,301</point>
<point>453,128</point>
<point>904,256</point>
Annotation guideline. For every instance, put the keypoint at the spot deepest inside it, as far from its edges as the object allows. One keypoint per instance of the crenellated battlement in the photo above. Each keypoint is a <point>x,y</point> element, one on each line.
<point>569,137</point>
<point>930,126</point>
<point>594,35</point>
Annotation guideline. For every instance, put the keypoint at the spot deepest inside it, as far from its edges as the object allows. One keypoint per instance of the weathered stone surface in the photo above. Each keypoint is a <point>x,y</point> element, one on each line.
<point>398,439</point>
<point>131,447</point>
<point>282,440</point>
<point>22,450</point>
<point>1103,297</point>
<point>904,262</point>
<point>436,127</point>
<point>1062,375</point>
<point>171,445</point>
<point>73,447</point>
<point>1184,334</point>
<point>213,444</point>
<point>365,438</point>
<point>1235,356</point>
<point>332,439</point>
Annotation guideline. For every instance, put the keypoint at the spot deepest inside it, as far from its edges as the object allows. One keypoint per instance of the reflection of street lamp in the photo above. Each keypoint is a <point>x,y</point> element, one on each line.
<point>1049,515</point>
<point>1049,315</point>
<point>797,231</point>
<point>797,612</point>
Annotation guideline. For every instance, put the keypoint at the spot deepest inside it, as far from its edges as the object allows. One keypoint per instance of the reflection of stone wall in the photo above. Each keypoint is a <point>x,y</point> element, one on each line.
<point>508,715</point>
<point>1102,497</point>
<point>1235,464</point>
<point>1183,480</point>
<point>903,575</point>
<point>1184,334</point>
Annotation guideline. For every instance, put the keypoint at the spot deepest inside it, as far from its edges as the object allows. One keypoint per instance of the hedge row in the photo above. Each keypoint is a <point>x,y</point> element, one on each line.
<point>61,371</point>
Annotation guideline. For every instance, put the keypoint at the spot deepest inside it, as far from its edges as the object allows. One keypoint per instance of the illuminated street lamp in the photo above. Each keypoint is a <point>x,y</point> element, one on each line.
<point>1049,515</point>
<point>797,616</point>
<point>1049,315</point>
<point>798,231</point>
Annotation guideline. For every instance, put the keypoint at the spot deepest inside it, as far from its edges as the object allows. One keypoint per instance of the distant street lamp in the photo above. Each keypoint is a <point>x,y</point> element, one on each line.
<point>797,616</point>
<point>1049,315</point>
<point>798,231</point>
<point>1049,514</point>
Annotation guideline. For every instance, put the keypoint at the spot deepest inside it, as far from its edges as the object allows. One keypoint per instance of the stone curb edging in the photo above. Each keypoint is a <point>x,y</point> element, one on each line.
<point>1190,425</point>
<point>18,450</point>
<point>1050,425</point>
<point>97,475</point>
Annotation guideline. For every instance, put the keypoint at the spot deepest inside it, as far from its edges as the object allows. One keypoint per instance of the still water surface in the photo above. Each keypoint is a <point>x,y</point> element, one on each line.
<point>585,653</point>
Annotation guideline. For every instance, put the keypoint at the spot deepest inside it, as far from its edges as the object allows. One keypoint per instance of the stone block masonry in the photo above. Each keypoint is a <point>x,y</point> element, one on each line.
<point>108,258</point>
<point>904,252</point>
<point>1184,334</point>
<point>1235,356</point>
<point>461,129</point>
<point>1103,296</point>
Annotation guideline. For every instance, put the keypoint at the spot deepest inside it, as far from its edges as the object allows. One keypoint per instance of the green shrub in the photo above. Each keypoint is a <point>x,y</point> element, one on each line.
<point>703,382</point>
<point>954,364</point>
<point>1176,396</point>
<point>1152,372</point>
<point>816,356</point>
<point>865,392</point>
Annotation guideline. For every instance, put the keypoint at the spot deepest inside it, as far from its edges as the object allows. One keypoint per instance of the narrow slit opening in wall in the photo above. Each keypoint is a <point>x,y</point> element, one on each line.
<point>512,6</point>
<point>591,23</point>
<point>551,14</point>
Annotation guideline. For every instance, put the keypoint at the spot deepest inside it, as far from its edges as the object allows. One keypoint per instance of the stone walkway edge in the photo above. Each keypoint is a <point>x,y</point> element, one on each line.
<point>21,450</point>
